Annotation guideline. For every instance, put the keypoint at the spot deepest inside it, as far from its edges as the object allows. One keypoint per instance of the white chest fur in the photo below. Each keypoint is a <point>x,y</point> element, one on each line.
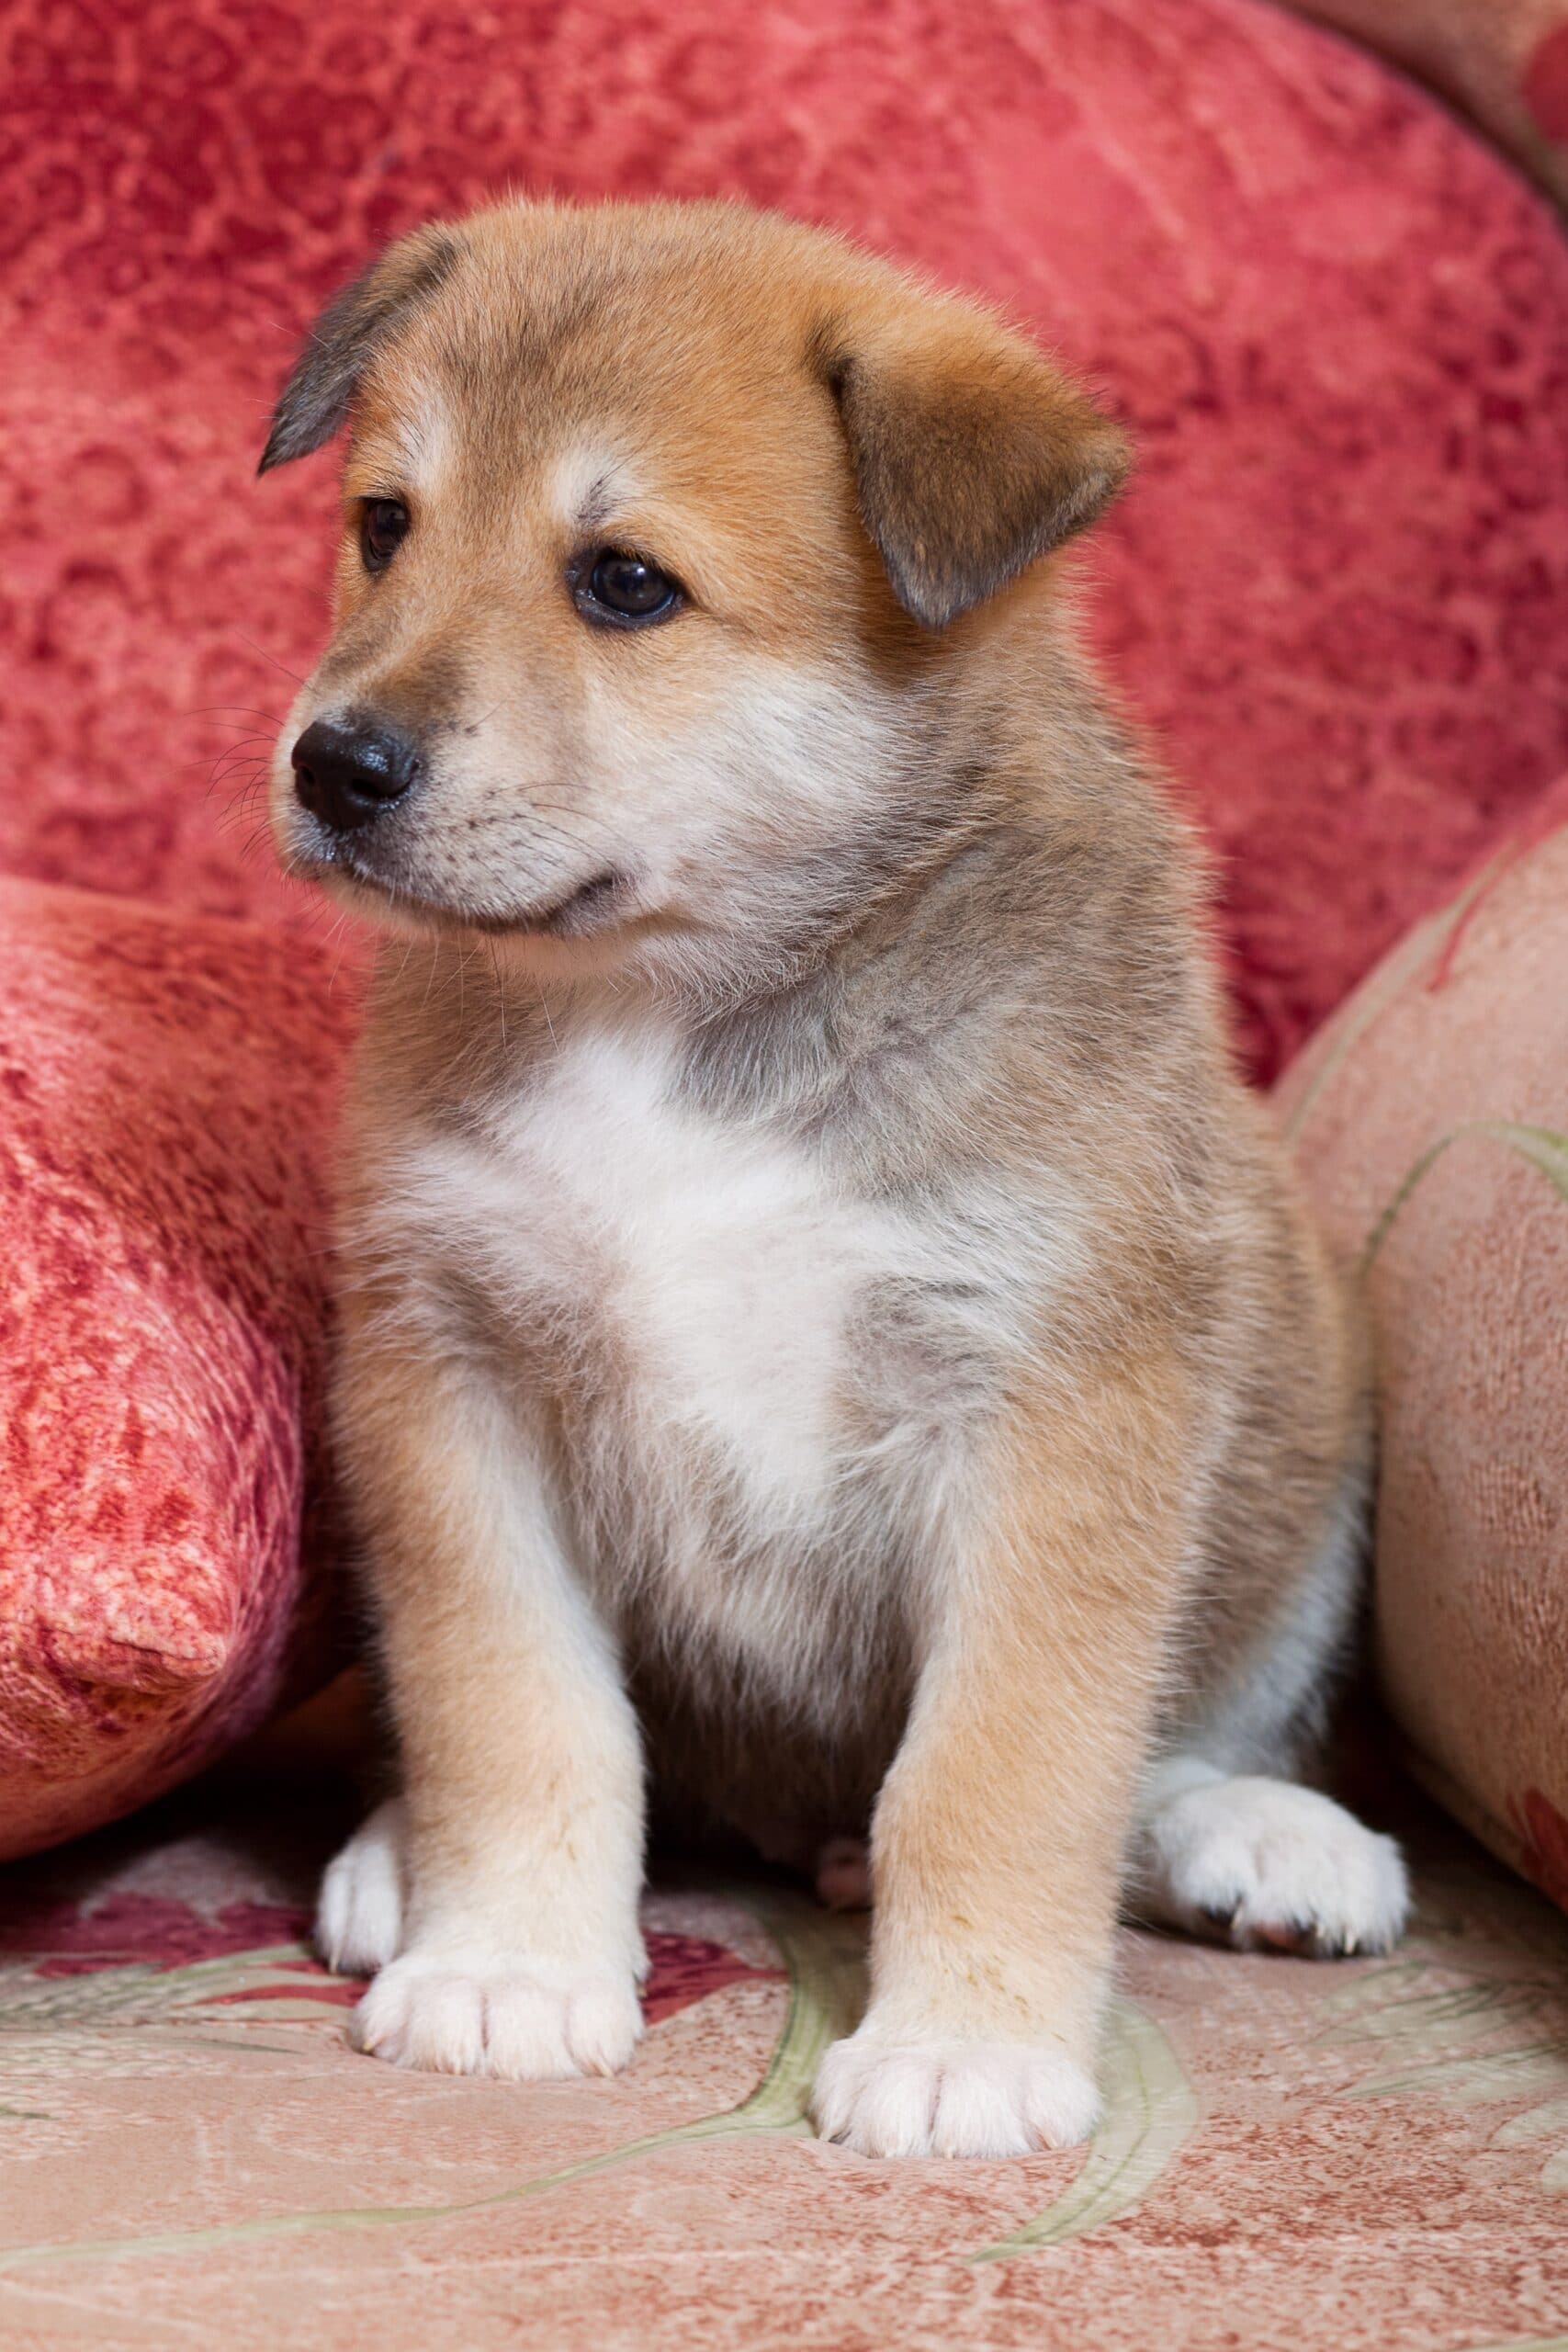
<point>718,1259</point>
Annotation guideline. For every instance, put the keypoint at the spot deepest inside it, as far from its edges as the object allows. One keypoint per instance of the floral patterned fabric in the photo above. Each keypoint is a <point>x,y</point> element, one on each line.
<point>1431,1118</point>
<point>1295,2157</point>
<point>1337,322</point>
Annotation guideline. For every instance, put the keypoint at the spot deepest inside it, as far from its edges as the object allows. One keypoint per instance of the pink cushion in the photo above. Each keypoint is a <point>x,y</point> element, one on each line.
<point>165,1092</point>
<point>1431,1119</point>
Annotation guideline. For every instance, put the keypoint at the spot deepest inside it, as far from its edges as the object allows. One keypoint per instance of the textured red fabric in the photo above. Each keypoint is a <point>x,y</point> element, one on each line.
<point>165,1090</point>
<point>1337,323</point>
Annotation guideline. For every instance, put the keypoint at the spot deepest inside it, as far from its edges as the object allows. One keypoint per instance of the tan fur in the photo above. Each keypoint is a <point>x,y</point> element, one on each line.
<point>1046,1677</point>
<point>821,1309</point>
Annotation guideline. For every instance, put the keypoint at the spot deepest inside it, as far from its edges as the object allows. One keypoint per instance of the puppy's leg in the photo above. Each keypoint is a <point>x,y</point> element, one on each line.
<point>996,1844</point>
<point>1227,1846</point>
<point>517,1886</point>
<point>359,1918</point>
<point>1263,1864</point>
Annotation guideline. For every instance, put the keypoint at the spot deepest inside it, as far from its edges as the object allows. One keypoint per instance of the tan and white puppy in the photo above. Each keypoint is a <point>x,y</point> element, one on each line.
<point>826,1331</point>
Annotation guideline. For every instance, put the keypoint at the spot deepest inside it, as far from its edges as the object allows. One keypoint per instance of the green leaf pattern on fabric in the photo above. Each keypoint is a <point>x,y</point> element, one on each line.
<point>1469,2045</point>
<point>1150,2108</point>
<point>1542,1147</point>
<point>1150,2111</point>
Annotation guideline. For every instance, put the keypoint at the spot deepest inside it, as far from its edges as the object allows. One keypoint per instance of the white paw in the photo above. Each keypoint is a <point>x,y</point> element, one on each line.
<point>359,1918</point>
<point>952,2099</point>
<point>525,2021</point>
<point>1264,1864</point>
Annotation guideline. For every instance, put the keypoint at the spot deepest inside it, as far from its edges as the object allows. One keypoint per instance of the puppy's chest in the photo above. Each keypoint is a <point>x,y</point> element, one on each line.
<point>699,1287</point>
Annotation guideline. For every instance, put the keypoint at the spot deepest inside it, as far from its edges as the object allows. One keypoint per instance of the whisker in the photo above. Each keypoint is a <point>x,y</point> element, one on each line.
<point>272,657</point>
<point>240,747</point>
<point>500,993</point>
<point>545,1009</point>
<point>237,783</point>
<point>339,933</point>
<point>254,841</point>
<point>246,709</point>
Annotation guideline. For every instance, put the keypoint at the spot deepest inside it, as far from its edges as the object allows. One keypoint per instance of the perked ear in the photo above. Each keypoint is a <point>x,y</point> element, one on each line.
<point>972,455</point>
<point>316,400</point>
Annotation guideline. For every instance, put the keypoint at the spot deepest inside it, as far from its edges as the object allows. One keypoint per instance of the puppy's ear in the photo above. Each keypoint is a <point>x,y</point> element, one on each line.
<point>316,398</point>
<point>972,455</point>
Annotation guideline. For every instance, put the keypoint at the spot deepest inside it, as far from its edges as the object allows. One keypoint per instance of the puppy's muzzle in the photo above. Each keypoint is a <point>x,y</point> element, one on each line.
<point>348,772</point>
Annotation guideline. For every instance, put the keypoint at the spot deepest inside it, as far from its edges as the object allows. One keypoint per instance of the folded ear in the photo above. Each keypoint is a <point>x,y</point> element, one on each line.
<point>971,454</point>
<point>316,398</point>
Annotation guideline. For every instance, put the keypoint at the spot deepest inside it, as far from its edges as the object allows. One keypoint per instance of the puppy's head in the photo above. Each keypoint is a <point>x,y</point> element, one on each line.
<point>661,525</point>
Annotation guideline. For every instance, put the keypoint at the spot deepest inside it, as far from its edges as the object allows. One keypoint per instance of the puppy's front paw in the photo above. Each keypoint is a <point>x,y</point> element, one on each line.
<point>952,2099</point>
<point>523,2022</point>
<point>1263,1864</point>
<point>359,1919</point>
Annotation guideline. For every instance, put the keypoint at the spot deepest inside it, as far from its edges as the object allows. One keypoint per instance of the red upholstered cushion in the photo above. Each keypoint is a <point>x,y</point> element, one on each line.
<point>165,1095</point>
<point>1338,322</point>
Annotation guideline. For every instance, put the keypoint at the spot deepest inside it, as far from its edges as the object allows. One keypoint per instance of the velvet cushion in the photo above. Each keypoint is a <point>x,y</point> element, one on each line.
<point>166,1088</point>
<point>1431,1118</point>
<point>1336,319</point>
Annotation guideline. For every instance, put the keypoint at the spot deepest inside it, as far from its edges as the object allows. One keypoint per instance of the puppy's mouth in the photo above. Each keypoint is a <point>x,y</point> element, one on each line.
<point>577,913</point>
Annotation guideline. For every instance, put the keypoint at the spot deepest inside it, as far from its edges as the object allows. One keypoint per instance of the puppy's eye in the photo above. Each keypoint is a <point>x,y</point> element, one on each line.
<point>383,526</point>
<point>624,591</point>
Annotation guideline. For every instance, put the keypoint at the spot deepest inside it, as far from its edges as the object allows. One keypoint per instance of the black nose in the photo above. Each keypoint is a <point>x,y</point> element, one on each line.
<point>346,774</point>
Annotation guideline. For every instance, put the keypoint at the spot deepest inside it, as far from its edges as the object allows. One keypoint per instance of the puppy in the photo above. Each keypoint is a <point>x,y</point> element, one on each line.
<point>825,1329</point>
